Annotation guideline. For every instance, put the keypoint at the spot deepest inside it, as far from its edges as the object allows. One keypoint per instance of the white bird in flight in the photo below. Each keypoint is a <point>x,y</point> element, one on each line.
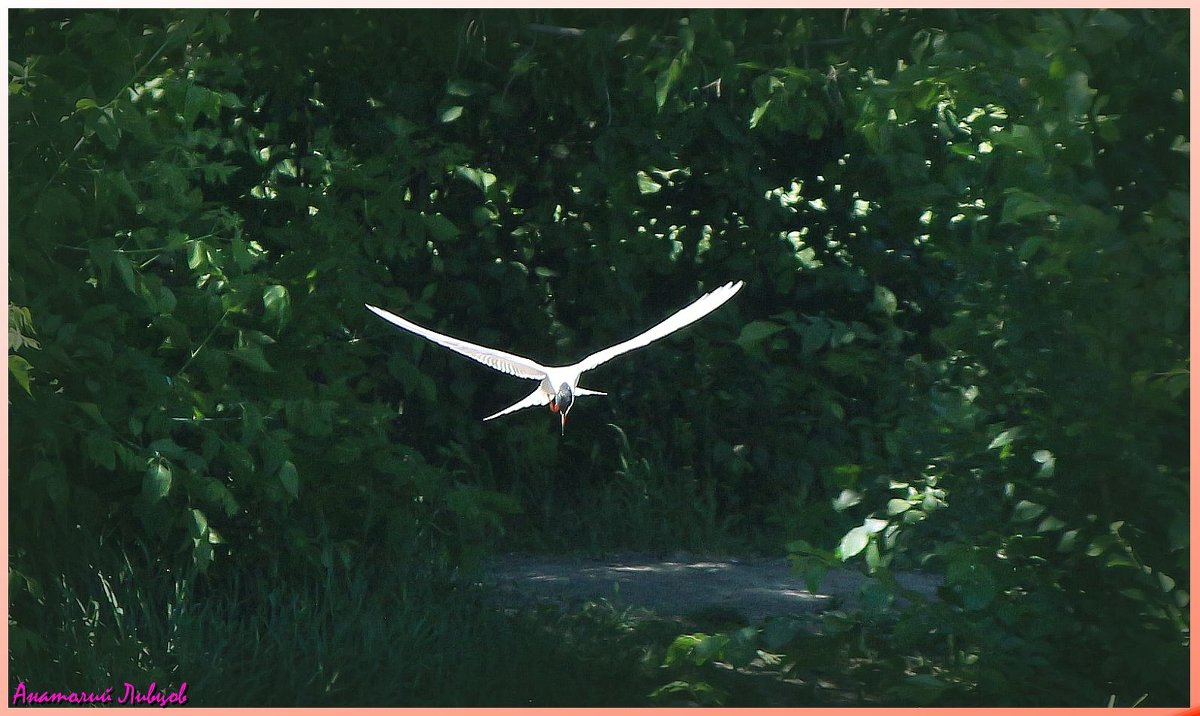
<point>559,385</point>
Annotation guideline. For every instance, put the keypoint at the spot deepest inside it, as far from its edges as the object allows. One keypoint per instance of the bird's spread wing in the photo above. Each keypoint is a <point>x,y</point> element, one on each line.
<point>492,358</point>
<point>698,309</point>
<point>537,397</point>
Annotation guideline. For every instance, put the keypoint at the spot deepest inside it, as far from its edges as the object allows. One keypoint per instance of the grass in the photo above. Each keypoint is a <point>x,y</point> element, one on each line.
<point>643,503</point>
<point>378,639</point>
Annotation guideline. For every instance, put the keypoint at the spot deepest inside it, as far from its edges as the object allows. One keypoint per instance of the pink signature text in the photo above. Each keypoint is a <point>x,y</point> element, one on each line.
<point>127,694</point>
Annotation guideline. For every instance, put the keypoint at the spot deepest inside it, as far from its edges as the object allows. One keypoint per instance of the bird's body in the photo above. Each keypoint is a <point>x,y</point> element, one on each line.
<point>558,386</point>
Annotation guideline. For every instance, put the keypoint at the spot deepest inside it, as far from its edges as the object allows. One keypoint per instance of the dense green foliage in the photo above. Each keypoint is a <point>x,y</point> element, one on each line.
<point>961,346</point>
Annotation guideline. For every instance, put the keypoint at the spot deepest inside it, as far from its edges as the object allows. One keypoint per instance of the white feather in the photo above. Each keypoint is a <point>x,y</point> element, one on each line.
<point>553,377</point>
<point>691,313</point>
<point>536,398</point>
<point>492,358</point>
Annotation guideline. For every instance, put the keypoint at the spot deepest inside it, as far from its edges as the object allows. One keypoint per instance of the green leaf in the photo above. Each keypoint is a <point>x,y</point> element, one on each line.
<point>646,185</point>
<point>815,335</point>
<point>92,411</point>
<point>756,332</point>
<point>51,475</point>
<point>19,369</point>
<point>1026,511</point>
<point>252,355</point>
<point>873,525</point>
<point>1004,438</point>
<point>1165,582</point>
<point>277,304</point>
<point>1021,205</point>
<point>979,591</point>
<point>885,300</point>
<point>759,112</point>
<point>166,301</point>
<point>1078,95</point>
<point>1023,139</point>
<point>872,557</point>
<point>740,650</point>
<point>290,479</point>
<point>846,500</point>
<point>662,85</point>
<point>481,179</point>
<point>157,482</point>
<point>853,542</point>
<point>85,103</point>
<point>441,228</point>
<point>459,88</point>
<point>895,506</point>
<point>1046,459</point>
<point>202,554</point>
<point>709,649</point>
<point>99,447</point>
<point>814,571</point>
<point>199,100</point>
<point>197,254</point>
<point>681,648</point>
<point>125,271</point>
<point>451,113</point>
<point>198,524</point>
<point>106,128</point>
<point>1121,559</point>
<point>1051,524</point>
<point>1099,545</point>
<point>700,692</point>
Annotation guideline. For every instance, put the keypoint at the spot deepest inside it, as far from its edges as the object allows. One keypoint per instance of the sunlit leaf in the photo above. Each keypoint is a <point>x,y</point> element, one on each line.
<point>157,482</point>
<point>19,369</point>
<point>277,304</point>
<point>199,523</point>
<point>1026,511</point>
<point>1004,438</point>
<point>666,79</point>
<point>646,185</point>
<point>759,112</point>
<point>846,500</point>
<point>853,542</point>
<point>885,300</point>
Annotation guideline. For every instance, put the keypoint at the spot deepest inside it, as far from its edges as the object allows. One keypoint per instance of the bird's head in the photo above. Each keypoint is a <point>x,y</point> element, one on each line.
<point>561,403</point>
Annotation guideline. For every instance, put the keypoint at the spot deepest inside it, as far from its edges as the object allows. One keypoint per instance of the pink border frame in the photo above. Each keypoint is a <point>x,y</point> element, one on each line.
<point>1194,705</point>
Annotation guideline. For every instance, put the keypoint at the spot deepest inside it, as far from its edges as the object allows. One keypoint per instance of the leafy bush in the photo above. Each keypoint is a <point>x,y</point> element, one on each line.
<point>961,345</point>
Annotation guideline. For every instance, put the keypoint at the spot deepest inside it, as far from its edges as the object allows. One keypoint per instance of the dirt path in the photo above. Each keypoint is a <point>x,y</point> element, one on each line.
<point>752,588</point>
